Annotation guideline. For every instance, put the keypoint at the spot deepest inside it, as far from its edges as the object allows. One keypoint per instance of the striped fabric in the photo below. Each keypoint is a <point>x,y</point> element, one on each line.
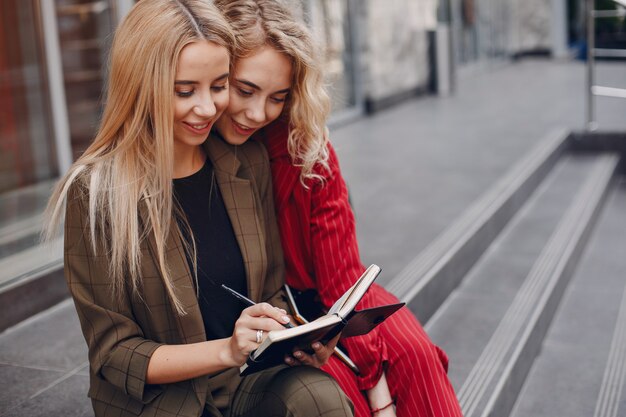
<point>317,230</point>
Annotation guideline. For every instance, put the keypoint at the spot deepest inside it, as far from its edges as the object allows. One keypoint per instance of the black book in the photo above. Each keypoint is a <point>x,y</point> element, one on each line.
<point>341,318</point>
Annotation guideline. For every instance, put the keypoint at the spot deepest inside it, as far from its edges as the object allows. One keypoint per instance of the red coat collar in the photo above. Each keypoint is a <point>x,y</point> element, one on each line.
<point>275,136</point>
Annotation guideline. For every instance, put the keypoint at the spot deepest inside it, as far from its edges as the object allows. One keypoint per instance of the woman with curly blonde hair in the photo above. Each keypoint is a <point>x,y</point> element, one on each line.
<point>278,97</point>
<point>267,32</point>
<point>158,215</point>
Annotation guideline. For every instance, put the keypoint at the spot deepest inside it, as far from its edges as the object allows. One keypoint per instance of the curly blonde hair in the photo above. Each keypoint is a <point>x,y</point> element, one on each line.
<point>257,23</point>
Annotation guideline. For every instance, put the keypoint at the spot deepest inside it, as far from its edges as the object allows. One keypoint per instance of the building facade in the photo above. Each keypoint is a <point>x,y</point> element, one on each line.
<point>376,52</point>
<point>52,54</point>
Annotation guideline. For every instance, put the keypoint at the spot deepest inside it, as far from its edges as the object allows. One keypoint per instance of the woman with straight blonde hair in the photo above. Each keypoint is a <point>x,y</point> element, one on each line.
<point>277,96</point>
<point>159,214</point>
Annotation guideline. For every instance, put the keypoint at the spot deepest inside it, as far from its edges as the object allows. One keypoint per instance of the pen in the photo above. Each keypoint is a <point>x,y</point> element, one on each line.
<point>248,301</point>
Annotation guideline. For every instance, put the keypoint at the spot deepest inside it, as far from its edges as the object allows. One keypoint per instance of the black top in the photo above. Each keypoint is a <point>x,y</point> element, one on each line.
<point>218,253</point>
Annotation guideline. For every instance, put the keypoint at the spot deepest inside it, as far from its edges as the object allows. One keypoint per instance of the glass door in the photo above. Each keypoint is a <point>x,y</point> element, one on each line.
<point>26,135</point>
<point>85,29</point>
<point>480,30</point>
<point>333,22</point>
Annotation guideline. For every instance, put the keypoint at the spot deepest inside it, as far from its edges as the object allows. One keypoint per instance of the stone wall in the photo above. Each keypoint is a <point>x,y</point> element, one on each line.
<point>392,44</point>
<point>396,45</point>
<point>501,28</point>
<point>530,28</point>
<point>393,39</point>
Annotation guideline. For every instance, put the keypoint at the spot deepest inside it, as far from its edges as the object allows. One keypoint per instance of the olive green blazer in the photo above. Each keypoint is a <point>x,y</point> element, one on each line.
<point>121,336</point>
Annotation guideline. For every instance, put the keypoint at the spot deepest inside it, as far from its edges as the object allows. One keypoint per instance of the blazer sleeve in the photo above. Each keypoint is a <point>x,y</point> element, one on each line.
<point>337,265</point>
<point>118,351</point>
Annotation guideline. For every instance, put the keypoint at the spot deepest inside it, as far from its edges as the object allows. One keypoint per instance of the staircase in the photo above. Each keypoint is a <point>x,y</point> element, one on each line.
<point>31,274</point>
<point>526,290</point>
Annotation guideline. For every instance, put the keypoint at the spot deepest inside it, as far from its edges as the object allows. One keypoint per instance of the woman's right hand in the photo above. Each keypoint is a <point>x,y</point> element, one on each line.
<point>261,316</point>
<point>174,363</point>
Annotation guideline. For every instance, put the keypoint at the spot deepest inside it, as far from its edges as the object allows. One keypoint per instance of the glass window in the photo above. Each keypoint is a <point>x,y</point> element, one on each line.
<point>26,137</point>
<point>330,21</point>
<point>85,29</point>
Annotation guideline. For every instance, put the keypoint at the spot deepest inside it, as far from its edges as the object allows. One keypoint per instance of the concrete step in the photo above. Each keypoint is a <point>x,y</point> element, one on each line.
<point>493,325</point>
<point>581,370</point>
<point>31,275</point>
<point>31,281</point>
<point>43,366</point>
<point>426,282</point>
<point>19,235</point>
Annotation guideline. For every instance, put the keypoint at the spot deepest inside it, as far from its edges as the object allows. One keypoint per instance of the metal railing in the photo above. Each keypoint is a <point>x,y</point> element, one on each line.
<point>592,53</point>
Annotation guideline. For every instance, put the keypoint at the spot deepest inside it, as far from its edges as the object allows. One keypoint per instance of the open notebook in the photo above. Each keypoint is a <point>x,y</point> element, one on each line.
<point>341,318</point>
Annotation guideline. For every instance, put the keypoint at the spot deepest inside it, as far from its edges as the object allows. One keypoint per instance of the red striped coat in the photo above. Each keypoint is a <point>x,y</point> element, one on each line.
<point>317,230</point>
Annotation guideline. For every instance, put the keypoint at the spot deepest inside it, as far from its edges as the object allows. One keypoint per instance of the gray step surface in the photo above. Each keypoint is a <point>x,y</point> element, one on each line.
<point>31,281</point>
<point>414,170</point>
<point>582,366</point>
<point>43,366</point>
<point>464,324</point>
<point>492,326</point>
<point>434,273</point>
<point>31,274</point>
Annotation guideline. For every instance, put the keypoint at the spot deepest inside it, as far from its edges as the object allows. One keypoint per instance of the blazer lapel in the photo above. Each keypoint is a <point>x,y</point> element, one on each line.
<point>285,174</point>
<point>241,202</point>
<point>285,177</point>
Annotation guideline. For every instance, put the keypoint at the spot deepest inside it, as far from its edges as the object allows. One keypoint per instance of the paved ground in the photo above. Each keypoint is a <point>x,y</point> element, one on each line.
<point>411,170</point>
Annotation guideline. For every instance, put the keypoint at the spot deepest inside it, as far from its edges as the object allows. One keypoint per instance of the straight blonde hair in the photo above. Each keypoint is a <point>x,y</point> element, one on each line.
<point>129,166</point>
<point>257,23</point>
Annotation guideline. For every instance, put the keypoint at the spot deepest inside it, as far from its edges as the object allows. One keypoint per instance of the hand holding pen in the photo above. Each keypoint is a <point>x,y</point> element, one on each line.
<point>248,302</point>
<point>321,352</point>
<point>248,332</point>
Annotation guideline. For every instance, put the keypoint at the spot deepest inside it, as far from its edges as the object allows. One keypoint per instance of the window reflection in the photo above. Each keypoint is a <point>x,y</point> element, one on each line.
<point>26,141</point>
<point>331,25</point>
<point>85,29</point>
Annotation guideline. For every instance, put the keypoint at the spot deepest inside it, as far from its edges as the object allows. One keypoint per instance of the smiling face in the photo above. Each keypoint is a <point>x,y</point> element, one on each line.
<point>201,92</point>
<point>259,88</point>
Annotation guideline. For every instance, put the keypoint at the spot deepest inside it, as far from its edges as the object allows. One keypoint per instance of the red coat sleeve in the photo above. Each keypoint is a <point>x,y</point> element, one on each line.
<point>336,264</point>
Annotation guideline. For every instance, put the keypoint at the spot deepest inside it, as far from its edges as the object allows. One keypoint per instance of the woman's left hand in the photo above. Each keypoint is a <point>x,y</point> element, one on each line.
<point>318,359</point>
